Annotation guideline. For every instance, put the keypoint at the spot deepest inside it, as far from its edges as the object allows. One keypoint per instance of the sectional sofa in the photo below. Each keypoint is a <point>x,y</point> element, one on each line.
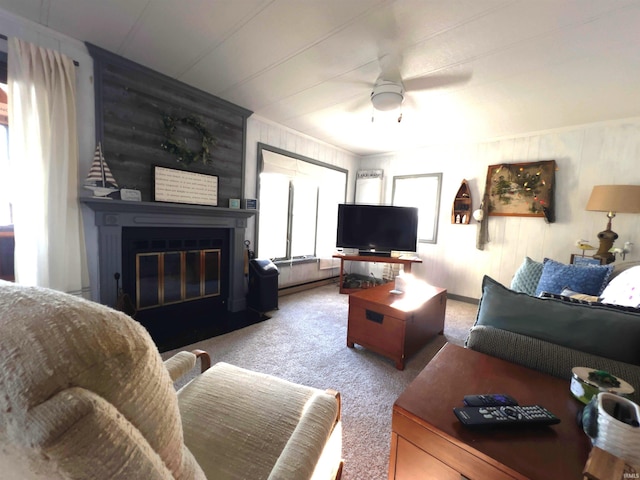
<point>555,331</point>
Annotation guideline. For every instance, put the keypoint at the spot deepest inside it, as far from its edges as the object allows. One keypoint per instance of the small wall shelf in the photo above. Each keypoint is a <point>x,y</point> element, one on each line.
<point>461,210</point>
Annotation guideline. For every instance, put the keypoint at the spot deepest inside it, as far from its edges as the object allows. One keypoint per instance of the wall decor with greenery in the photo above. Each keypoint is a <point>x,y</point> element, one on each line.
<point>179,145</point>
<point>522,189</point>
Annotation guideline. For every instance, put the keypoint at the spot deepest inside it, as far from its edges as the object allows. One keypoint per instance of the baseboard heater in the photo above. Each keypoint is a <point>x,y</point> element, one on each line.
<point>307,286</point>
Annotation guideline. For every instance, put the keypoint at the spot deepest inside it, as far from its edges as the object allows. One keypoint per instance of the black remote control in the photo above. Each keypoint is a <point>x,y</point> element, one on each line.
<point>489,400</point>
<point>511,415</point>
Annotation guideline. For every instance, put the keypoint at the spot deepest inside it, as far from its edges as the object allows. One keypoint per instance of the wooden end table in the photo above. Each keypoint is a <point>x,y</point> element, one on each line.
<point>428,442</point>
<point>395,326</point>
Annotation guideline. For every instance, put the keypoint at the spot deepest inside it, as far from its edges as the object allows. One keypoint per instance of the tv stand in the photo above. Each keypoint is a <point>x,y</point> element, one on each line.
<point>405,261</point>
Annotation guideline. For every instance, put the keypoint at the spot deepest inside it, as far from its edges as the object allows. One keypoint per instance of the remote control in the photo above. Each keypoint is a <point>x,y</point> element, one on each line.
<point>489,400</point>
<point>511,415</point>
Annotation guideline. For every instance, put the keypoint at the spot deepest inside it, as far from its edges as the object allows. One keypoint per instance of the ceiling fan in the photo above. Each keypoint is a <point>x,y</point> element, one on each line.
<point>389,91</point>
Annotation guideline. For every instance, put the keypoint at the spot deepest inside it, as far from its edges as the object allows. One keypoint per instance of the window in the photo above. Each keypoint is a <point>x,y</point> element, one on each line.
<point>422,191</point>
<point>5,203</point>
<point>7,243</point>
<point>298,205</point>
<point>5,186</point>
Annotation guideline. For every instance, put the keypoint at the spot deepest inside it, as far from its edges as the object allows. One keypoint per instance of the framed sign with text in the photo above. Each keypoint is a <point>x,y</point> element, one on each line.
<point>180,186</point>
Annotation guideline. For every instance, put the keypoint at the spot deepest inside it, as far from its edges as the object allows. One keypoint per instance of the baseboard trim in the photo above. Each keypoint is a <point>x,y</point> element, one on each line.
<point>462,298</point>
<point>334,280</point>
<point>307,286</point>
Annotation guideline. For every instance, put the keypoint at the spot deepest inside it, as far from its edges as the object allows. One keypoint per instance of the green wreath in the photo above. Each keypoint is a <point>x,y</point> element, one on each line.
<point>179,147</point>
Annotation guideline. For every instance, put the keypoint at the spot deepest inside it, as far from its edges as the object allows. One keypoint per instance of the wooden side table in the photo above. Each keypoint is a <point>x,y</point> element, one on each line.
<point>428,442</point>
<point>395,326</point>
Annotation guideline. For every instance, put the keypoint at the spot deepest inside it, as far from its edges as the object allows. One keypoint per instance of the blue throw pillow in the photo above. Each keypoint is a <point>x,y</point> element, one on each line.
<point>527,277</point>
<point>589,279</point>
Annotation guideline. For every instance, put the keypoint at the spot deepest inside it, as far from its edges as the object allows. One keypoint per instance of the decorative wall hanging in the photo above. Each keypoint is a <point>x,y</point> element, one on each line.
<point>179,147</point>
<point>461,209</point>
<point>522,189</point>
<point>179,186</point>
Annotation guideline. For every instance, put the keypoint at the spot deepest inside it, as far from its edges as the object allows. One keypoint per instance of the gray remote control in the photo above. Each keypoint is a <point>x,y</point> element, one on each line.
<point>512,415</point>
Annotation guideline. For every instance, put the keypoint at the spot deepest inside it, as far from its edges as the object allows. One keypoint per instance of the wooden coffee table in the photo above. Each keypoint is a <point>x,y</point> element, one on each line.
<point>428,441</point>
<point>395,326</point>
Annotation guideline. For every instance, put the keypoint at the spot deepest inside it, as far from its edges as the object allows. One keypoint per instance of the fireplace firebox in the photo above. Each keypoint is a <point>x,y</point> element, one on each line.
<point>180,261</point>
<point>175,274</point>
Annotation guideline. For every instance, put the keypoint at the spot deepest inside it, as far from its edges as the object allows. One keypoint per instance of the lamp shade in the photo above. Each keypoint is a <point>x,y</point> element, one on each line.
<point>615,199</point>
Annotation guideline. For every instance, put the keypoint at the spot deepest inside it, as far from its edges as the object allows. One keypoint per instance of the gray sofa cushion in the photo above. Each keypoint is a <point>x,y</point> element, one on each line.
<point>546,357</point>
<point>597,330</point>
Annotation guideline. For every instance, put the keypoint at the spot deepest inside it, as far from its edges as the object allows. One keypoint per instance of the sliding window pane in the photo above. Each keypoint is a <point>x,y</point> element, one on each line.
<point>5,179</point>
<point>332,192</point>
<point>303,218</point>
<point>274,207</point>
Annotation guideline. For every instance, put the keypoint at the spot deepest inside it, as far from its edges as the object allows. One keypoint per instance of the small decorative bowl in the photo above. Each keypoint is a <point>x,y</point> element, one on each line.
<point>585,386</point>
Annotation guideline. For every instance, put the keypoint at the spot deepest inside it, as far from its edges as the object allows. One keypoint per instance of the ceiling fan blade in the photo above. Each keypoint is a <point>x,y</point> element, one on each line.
<point>384,31</point>
<point>409,102</point>
<point>390,64</point>
<point>357,105</point>
<point>436,81</point>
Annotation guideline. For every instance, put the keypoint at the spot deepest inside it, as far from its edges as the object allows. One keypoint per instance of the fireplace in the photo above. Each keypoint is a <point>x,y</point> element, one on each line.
<point>179,242</point>
<point>175,273</point>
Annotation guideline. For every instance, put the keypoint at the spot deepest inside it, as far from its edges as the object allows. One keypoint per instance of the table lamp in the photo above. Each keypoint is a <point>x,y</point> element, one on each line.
<point>612,199</point>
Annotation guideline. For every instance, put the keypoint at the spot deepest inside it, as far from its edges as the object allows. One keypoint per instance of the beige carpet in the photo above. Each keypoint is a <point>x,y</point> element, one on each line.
<point>305,342</point>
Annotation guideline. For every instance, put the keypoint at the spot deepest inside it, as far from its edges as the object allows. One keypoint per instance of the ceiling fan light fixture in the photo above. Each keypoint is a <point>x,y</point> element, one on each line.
<point>387,96</point>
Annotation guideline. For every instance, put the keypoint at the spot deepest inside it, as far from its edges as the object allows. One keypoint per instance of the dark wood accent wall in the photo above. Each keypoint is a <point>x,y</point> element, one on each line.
<point>130,103</point>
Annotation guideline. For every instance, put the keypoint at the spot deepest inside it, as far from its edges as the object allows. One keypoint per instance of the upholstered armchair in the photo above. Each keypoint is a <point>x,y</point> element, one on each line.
<point>84,394</point>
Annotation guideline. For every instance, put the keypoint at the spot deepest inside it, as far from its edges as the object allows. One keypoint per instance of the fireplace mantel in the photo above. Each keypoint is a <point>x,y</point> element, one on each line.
<point>112,215</point>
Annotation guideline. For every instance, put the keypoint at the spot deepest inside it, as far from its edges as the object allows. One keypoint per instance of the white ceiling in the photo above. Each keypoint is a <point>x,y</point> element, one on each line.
<point>310,64</point>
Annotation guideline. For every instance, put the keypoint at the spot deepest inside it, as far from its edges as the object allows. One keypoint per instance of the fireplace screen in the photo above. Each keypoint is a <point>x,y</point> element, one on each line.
<point>163,278</point>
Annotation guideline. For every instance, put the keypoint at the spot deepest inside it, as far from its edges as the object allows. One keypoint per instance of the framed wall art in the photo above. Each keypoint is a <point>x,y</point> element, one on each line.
<point>521,189</point>
<point>179,186</point>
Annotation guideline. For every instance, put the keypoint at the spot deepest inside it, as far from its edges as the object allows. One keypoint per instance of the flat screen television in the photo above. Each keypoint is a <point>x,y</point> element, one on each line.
<point>377,229</point>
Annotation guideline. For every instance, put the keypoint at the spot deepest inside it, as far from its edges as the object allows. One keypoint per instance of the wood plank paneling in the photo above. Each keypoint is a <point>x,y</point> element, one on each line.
<point>130,103</point>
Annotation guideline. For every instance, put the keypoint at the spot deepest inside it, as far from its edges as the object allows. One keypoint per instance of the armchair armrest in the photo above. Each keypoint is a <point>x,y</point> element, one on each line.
<point>205,359</point>
<point>182,362</point>
<point>315,447</point>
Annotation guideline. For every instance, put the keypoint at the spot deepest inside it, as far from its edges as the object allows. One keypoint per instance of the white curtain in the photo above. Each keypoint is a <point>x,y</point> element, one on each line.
<point>43,154</point>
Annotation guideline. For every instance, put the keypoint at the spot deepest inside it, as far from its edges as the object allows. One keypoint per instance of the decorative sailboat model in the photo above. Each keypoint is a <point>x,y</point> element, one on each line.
<point>100,179</point>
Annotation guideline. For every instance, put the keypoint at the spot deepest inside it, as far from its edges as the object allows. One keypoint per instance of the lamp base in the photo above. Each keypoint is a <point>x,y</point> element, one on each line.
<point>606,237</point>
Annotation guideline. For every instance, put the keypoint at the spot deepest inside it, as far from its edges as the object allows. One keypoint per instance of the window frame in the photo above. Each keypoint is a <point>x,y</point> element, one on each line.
<point>436,214</point>
<point>288,243</point>
<point>7,237</point>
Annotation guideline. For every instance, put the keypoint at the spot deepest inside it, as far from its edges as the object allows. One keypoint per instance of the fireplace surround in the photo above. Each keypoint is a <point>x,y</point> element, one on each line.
<point>112,216</point>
